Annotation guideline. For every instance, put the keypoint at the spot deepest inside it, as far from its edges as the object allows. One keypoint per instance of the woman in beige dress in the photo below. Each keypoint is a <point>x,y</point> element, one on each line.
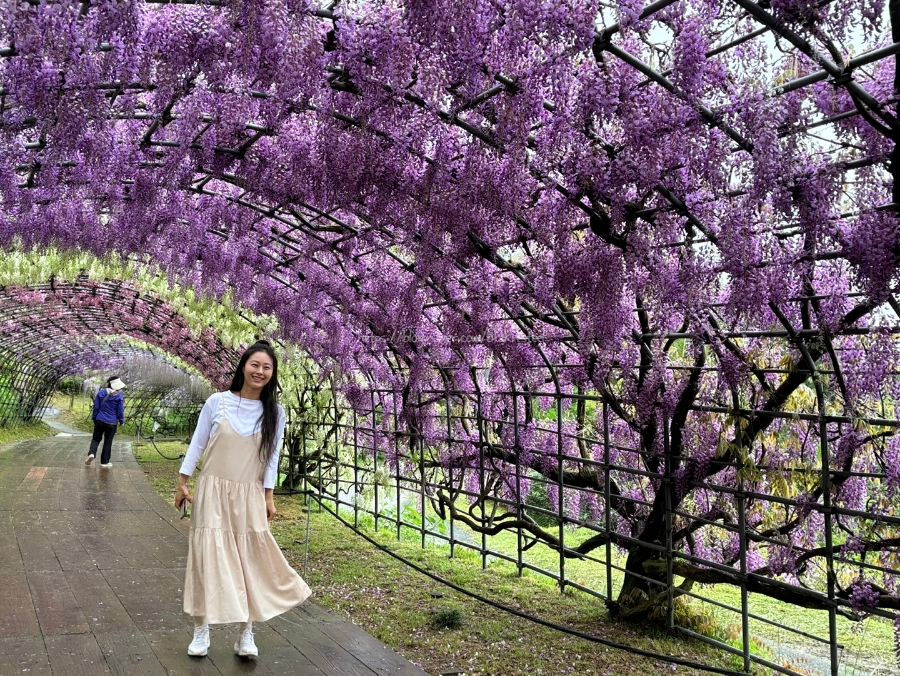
<point>235,569</point>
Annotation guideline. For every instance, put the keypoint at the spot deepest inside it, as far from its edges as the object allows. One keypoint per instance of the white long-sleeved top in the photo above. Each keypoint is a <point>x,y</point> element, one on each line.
<point>243,416</point>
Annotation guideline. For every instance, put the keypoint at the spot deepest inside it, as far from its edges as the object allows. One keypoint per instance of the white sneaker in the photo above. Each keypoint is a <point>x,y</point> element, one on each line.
<point>106,464</point>
<point>200,644</point>
<point>245,647</point>
<point>89,460</point>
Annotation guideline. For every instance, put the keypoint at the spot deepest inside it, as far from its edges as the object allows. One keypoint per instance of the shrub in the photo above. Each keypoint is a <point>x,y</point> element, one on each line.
<point>448,617</point>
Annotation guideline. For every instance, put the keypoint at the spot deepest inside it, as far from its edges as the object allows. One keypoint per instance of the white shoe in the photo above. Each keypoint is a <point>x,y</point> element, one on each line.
<point>245,647</point>
<point>106,464</point>
<point>200,644</point>
<point>89,460</point>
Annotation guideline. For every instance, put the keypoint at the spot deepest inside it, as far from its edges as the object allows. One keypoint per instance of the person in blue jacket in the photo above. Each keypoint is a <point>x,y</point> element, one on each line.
<point>109,410</point>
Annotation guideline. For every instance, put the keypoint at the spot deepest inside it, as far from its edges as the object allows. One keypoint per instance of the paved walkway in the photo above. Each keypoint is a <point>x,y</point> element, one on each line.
<point>48,416</point>
<point>91,572</point>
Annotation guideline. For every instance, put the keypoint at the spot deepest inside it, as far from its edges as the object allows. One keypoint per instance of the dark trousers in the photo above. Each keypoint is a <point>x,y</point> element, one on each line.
<point>105,431</point>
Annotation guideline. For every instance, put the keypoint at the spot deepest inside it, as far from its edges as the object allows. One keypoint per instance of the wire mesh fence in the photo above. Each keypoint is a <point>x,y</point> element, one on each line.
<point>556,485</point>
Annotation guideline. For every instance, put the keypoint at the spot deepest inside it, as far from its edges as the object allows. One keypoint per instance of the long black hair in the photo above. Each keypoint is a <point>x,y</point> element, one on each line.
<point>268,419</point>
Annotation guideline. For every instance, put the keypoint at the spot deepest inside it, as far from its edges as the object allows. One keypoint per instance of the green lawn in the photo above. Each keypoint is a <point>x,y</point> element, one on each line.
<point>871,639</point>
<point>31,430</point>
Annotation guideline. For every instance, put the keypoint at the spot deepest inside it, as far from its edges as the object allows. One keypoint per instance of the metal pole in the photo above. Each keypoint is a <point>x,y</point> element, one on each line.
<point>667,487</point>
<point>606,493</point>
<point>481,442</point>
<point>356,494</point>
<point>742,541</point>
<point>421,444</point>
<point>450,472</point>
<point>829,542</point>
<point>560,514</point>
<point>520,506</point>
<point>375,457</point>
<point>319,471</point>
<point>397,460</point>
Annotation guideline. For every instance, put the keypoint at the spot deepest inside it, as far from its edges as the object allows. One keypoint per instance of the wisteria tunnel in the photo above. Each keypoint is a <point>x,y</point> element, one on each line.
<point>592,277</point>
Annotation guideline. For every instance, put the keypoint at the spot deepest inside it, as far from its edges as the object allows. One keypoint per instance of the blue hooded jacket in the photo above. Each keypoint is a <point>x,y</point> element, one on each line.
<point>109,407</point>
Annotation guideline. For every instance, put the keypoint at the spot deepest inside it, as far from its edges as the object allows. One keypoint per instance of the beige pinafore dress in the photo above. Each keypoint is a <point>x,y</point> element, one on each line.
<point>235,569</point>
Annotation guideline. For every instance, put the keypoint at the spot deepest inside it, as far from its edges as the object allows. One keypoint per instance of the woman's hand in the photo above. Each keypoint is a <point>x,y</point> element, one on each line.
<point>181,492</point>
<point>270,504</point>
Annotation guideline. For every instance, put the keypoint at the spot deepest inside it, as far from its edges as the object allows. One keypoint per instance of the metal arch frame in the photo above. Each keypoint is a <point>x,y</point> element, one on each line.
<point>62,300</point>
<point>38,349</point>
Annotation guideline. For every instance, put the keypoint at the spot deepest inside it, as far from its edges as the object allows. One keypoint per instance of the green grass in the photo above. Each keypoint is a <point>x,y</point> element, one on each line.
<point>398,605</point>
<point>162,473</point>
<point>74,412</point>
<point>22,431</point>
<point>872,638</point>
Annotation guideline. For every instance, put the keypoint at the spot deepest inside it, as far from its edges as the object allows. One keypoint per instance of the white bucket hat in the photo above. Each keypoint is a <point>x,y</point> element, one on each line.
<point>116,384</point>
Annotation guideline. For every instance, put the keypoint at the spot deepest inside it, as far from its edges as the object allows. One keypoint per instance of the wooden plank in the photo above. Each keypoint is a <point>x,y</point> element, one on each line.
<point>165,588</point>
<point>144,523</point>
<point>10,556</point>
<point>368,650</point>
<point>313,612</point>
<point>281,658</point>
<point>84,522</point>
<point>37,552</point>
<point>100,615</point>
<point>170,648</point>
<point>103,551</point>
<point>55,523</point>
<point>22,502</point>
<point>32,480</point>
<point>152,607</point>
<point>71,554</point>
<point>319,649</point>
<point>221,654</point>
<point>167,515</point>
<point>137,556</point>
<point>26,656</point>
<point>128,588</point>
<point>54,603</point>
<point>170,550</point>
<point>97,498</point>
<point>128,653</point>
<point>99,603</point>
<point>46,500</point>
<point>17,616</point>
<point>135,502</point>
<point>139,480</point>
<point>76,655</point>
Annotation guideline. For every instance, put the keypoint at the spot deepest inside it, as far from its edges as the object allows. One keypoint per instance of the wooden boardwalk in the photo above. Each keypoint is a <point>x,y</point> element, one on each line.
<point>91,573</point>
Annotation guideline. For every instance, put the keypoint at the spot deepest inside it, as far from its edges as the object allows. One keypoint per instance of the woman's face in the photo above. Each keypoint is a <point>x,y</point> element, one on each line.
<point>258,370</point>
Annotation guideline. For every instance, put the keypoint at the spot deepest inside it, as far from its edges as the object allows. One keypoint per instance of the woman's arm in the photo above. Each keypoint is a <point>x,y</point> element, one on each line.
<point>195,450</point>
<point>270,504</point>
<point>122,410</point>
<point>272,467</point>
<point>201,436</point>
<point>96,408</point>
<point>181,491</point>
